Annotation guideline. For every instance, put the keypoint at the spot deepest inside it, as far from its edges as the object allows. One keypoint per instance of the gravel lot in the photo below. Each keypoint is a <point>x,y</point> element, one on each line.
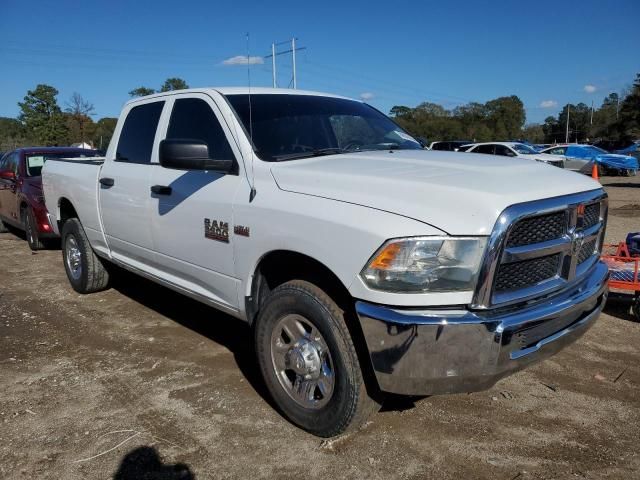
<point>140,383</point>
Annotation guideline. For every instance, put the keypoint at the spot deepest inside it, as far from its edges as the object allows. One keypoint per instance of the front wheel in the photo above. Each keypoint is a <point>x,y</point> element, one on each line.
<point>85,270</point>
<point>308,361</point>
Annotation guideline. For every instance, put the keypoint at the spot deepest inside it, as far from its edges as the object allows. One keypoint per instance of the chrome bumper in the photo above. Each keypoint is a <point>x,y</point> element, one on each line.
<point>420,352</point>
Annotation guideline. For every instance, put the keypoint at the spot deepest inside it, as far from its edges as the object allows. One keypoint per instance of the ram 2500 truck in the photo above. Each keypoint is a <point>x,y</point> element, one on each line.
<point>363,263</point>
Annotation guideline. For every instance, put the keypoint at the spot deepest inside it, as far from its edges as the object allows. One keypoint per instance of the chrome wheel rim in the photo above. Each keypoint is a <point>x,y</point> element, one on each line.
<point>73,257</point>
<point>302,361</point>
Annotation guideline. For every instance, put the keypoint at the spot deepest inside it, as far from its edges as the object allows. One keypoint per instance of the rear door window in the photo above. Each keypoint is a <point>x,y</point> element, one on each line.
<point>504,151</point>
<point>557,151</point>
<point>192,118</point>
<point>484,149</point>
<point>138,133</point>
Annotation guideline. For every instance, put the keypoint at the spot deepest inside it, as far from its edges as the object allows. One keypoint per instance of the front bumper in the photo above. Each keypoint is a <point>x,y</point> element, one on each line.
<point>420,352</point>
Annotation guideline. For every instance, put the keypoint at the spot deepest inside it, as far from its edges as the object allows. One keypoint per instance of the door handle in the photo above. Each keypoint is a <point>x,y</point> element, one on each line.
<point>161,190</point>
<point>107,182</point>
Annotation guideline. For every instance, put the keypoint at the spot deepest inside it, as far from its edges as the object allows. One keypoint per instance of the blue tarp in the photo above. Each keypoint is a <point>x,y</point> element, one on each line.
<point>629,150</point>
<point>609,160</point>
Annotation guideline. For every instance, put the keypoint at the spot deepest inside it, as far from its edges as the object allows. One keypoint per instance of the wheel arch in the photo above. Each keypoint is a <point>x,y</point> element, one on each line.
<point>279,266</point>
<point>66,210</point>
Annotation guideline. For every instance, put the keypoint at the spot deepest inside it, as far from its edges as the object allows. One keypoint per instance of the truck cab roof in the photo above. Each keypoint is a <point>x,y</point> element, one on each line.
<point>242,91</point>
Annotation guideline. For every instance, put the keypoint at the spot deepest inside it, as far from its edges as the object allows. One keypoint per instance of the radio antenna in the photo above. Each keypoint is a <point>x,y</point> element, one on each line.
<point>253,192</point>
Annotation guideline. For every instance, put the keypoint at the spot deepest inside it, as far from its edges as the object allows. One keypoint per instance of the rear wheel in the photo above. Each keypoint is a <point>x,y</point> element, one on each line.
<point>309,362</point>
<point>85,270</point>
<point>31,230</point>
<point>635,308</point>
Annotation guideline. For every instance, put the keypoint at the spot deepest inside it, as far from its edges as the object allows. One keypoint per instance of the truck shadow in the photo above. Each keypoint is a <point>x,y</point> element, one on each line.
<point>227,331</point>
<point>145,463</point>
<point>622,185</point>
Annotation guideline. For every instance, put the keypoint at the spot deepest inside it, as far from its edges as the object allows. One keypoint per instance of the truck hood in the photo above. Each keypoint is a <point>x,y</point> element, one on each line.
<point>457,193</point>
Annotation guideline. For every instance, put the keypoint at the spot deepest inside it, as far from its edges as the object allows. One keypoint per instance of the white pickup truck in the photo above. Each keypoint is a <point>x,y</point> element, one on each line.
<point>364,263</point>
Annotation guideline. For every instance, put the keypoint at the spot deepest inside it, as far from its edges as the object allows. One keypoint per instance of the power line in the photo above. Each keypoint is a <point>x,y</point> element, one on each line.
<point>275,53</point>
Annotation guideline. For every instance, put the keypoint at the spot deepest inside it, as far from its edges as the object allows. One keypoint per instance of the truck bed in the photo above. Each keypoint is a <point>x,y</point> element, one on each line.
<point>76,181</point>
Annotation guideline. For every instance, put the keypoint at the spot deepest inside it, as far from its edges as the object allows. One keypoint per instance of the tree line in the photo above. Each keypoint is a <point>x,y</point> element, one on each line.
<point>43,122</point>
<point>617,119</point>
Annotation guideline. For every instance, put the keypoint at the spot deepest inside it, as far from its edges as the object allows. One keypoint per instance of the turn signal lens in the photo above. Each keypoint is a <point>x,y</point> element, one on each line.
<point>426,264</point>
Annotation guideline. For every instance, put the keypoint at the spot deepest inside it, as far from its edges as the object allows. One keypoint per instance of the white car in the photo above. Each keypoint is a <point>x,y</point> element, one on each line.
<point>363,263</point>
<point>515,149</point>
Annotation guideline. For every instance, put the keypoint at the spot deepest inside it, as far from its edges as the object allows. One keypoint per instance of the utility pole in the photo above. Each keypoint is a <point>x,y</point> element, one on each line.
<point>591,112</point>
<point>566,138</point>
<point>275,53</point>
<point>293,57</point>
<point>273,64</point>
<point>617,107</point>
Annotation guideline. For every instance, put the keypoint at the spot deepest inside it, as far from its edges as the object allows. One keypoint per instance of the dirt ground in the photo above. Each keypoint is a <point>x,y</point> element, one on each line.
<point>141,383</point>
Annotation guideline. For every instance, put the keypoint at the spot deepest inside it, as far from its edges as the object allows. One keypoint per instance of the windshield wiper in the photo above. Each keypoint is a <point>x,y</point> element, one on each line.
<point>313,153</point>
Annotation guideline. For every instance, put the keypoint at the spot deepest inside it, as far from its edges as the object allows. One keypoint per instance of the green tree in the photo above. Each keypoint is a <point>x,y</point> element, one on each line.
<point>505,116</point>
<point>12,134</point>
<point>141,92</point>
<point>629,115</point>
<point>79,117</point>
<point>173,83</point>
<point>42,116</point>
<point>103,132</point>
<point>400,111</point>
<point>533,133</point>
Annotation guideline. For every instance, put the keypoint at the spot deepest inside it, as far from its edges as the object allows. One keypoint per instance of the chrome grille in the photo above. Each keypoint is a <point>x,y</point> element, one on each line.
<point>512,276</point>
<point>538,229</point>
<point>591,215</point>
<point>539,247</point>
<point>587,250</point>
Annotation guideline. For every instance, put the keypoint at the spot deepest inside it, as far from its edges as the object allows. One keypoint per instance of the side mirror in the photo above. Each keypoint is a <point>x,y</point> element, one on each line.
<point>510,154</point>
<point>7,175</point>
<point>188,154</point>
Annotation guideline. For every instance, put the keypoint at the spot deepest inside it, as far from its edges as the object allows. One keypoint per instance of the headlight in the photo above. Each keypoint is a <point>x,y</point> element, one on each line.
<point>426,264</point>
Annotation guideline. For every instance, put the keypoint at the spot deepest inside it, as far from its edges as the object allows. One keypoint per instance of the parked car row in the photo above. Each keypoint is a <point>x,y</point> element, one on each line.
<point>575,157</point>
<point>513,149</point>
<point>581,158</point>
<point>22,204</point>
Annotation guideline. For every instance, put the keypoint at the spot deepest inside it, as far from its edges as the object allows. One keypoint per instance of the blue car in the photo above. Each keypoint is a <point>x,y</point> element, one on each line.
<point>580,158</point>
<point>632,150</point>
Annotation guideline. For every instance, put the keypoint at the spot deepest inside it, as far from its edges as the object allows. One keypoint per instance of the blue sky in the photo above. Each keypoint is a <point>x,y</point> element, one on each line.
<point>547,53</point>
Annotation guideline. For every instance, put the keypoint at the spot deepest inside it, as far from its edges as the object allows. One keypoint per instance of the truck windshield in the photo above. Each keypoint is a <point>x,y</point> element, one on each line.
<point>287,127</point>
<point>35,162</point>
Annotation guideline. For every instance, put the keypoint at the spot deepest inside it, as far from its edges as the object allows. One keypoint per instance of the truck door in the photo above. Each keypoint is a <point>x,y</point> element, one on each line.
<point>124,187</point>
<point>192,211</point>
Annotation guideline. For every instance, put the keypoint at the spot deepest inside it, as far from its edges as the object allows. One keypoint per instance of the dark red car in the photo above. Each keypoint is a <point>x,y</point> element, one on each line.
<point>21,199</point>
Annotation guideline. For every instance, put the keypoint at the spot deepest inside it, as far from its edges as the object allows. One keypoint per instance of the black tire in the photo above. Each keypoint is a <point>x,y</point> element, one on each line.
<point>85,270</point>
<point>3,227</point>
<point>31,230</point>
<point>349,404</point>
<point>635,308</point>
